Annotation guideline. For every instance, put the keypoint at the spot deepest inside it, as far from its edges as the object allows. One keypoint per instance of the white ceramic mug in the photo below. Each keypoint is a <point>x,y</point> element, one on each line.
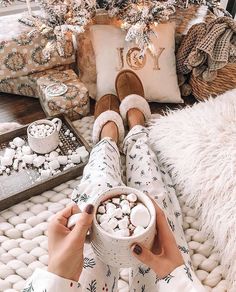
<point>115,251</point>
<point>43,145</point>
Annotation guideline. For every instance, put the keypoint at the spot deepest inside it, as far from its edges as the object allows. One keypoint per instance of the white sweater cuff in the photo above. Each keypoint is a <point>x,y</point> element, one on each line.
<point>42,280</point>
<point>182,279</point>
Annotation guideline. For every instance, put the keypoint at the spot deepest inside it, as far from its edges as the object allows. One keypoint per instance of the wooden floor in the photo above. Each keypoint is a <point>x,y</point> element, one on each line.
<point>24,110</point>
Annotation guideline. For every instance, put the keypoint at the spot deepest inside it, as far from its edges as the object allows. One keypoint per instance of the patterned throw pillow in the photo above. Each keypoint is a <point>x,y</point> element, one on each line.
<point>158,73</point>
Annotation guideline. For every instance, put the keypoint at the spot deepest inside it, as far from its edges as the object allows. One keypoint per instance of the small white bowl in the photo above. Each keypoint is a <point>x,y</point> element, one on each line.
<point>43,145</point>
<point>116,251</point>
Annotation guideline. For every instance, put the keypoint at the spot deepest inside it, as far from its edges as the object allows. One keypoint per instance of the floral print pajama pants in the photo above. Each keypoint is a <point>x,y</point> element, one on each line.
<point>143,172</point>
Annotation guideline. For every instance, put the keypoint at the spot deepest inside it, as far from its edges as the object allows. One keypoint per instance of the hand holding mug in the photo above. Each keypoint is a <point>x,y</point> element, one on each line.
<point>165,256</point>
<point>66,246</point>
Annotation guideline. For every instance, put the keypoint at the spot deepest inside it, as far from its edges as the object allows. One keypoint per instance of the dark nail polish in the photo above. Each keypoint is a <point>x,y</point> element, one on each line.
<point>137,249</point>
<point>89,209</point>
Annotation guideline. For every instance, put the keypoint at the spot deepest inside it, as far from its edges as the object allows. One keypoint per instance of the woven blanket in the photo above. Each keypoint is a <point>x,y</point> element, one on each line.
<point>207,48</point>
<point>23,236</point>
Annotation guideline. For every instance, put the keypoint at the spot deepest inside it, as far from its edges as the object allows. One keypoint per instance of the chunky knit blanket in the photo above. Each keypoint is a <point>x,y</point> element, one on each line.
<point>23,235</point>
<point>207,48</point>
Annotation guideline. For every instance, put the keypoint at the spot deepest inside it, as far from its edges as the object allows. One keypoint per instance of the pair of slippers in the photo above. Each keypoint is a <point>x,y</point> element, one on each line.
<point>130,94</point>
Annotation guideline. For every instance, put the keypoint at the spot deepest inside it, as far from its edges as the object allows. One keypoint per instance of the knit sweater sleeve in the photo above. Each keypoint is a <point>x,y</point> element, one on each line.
<point>44,281</point>
<point>182,279</point>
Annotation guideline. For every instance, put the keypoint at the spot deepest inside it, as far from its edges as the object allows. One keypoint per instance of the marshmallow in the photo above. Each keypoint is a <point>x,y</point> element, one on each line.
<point>140,216</point>
<point>125,209</point>
<point>54,164</point>
<point>67,131</point>
<point>73,220</point>
<point>101,209</point>
<point>122,233</point>
<point>113,223</point>
<point>84,155</point>
<point>15,164</point>
<point>18,142</point>
<point>138,230</point>
<point>75,158</point>
<point>80,149</point>
<point>124,202</point>
<point>53,155</point>
<point>12,145</point>
<point>111,206</point>
<point>123,223</point>
<point>116,201</point>
<point>45,173</point>
<point>28,158</point>
<point>26,150</point>
<point>10,153</point>
<point>105,226</point>
<point>6,161</point>
<point>41,130</point>
<point>132,198</point>
<point>62,159</point>
<point>111,212</point>
<point>114,215</point>
<point>118,213</point>
<point>103,218</point>
<point>38,161</point>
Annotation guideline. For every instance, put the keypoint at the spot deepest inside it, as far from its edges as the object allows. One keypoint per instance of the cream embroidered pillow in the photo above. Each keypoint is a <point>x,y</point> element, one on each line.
<point>114,54</point>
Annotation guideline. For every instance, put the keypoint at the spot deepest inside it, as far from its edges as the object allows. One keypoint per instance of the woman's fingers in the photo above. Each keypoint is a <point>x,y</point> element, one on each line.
<point>83,224</point>
<point>62,216</point>
<point>144,255</point>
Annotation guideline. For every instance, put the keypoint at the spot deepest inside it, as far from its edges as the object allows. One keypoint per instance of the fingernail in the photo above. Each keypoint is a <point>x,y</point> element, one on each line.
<point>89,209</point>
<point>137,249</point>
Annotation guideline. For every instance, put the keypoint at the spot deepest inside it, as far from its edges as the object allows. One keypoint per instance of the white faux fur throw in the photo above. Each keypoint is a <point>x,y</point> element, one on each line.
<point>198,145</point>
<point>6,127</point>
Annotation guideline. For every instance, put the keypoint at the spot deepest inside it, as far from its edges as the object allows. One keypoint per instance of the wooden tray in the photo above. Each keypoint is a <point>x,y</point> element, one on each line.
<point>22,184</point>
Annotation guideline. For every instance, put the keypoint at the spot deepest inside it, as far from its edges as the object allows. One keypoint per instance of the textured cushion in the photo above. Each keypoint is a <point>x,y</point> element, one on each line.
<point>198,146</point>
<point>114,54</point>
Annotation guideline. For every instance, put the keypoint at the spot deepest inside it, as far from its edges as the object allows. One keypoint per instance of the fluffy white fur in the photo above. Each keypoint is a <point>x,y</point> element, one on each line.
<point>102,119</point>
<point>6,127</point>
<point>134,101</point>
<point>198,145</point>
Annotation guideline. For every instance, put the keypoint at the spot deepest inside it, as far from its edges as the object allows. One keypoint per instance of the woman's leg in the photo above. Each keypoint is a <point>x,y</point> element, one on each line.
<point>144,172</point>
<point>101,173</point>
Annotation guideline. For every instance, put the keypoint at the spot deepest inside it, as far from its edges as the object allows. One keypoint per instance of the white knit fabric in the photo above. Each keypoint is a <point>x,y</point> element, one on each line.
<point>23,236</point>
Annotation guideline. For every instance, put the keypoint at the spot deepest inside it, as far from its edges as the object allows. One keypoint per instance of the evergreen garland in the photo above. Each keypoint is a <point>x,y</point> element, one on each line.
<point>138,17</point>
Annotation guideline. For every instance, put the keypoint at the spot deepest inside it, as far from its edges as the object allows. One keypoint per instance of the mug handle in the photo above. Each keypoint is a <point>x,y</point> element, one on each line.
<point>58,122</point>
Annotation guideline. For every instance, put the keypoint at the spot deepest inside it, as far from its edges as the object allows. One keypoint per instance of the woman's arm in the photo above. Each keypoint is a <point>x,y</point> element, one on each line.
<point>44,281</point>
<point>182,279</point>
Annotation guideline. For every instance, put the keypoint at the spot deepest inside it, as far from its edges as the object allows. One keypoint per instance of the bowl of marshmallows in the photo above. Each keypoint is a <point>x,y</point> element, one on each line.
<point>123,216</point>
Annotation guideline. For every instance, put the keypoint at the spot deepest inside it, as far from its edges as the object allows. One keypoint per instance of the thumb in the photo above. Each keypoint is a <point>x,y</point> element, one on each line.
<point>83,224</point>
<point>143,254</point>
